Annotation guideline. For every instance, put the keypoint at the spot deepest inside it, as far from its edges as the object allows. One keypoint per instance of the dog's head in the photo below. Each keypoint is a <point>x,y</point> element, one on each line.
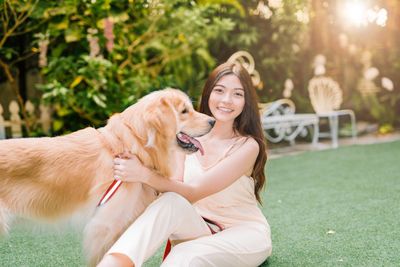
<point>167,118</point>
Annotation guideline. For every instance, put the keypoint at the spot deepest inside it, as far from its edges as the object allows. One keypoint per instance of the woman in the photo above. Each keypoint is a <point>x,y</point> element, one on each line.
<point>222,187</point>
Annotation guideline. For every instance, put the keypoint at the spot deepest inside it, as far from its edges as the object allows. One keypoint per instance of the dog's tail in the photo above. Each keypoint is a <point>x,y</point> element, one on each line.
<point>4,219</point>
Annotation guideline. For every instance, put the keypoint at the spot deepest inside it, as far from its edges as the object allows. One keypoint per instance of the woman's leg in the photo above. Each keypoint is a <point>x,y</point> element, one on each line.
<point>116,259</point>
<point>245,245</point>
<point>171,215</point>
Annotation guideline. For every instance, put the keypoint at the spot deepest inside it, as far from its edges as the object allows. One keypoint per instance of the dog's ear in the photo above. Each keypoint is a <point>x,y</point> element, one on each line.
<point>152,118</point>
<point>161,117</point>
<point>167,105</point>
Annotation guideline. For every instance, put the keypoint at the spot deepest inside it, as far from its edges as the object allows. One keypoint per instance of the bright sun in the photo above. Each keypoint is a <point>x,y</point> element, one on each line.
<point>357,13</point>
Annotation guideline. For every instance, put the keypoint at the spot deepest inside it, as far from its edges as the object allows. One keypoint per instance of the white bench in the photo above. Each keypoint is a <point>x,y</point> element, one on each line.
<point>280,123</point>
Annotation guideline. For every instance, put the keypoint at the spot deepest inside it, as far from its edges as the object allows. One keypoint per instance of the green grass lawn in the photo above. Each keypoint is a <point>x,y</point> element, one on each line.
<point>329,208</point>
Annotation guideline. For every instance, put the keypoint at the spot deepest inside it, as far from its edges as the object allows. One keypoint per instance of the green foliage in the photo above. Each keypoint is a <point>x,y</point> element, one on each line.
<point>379,107</point>
<point>156,44</point>
<point>384,106</point>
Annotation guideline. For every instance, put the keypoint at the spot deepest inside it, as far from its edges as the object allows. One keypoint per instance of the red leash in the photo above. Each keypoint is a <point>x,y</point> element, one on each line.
<point>110,192</point>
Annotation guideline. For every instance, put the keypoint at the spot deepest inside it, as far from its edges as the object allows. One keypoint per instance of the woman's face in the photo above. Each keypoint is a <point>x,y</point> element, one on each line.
<point>226,100</point>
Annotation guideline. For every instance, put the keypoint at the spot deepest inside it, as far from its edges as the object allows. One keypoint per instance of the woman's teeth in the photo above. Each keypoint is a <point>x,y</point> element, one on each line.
<point>225,109</point>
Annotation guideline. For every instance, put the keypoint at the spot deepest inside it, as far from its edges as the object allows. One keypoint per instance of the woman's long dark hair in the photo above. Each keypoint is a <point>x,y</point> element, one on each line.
<point>248,123</point>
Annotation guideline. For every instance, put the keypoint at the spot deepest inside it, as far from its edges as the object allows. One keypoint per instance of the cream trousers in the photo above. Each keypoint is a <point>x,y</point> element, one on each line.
<point>172,216</point>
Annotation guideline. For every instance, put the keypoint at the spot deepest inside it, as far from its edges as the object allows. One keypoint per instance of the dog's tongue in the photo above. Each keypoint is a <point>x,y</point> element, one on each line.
<point>186,138</point>
<point>197,144</point>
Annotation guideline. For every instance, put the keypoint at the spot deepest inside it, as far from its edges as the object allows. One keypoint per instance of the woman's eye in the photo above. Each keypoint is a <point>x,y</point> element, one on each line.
<point>239,94</point>
<point>184,111</point>
<point>218,90</point>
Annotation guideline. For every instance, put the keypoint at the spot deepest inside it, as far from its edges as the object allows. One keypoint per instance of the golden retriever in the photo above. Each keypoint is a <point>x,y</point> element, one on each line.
<point>53,177</point>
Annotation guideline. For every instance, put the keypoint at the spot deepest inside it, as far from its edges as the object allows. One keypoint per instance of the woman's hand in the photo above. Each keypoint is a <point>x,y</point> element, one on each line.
<point>129,169</point>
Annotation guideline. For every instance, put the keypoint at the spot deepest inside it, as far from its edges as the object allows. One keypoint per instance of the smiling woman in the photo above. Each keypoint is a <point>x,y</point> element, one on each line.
<point>220,184</point>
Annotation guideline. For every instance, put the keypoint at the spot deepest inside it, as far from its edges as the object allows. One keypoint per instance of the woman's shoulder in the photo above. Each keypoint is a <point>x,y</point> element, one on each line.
<point>247,143</point>
<point>247,140</point>
<point>252,143</point>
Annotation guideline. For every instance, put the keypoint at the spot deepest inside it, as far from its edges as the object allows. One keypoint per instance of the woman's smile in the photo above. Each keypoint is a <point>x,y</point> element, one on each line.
<point>223,109</point>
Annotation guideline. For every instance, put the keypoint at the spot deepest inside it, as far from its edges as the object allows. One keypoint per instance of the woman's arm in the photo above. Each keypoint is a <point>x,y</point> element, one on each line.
<point>179,166</point>
<point>214,180</point>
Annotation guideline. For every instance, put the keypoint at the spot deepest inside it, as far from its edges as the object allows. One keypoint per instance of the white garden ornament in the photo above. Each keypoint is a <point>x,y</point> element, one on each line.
<point>247,61</point>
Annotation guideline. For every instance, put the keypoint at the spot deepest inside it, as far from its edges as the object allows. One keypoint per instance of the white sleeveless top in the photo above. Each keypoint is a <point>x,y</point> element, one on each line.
<point>234,205</point>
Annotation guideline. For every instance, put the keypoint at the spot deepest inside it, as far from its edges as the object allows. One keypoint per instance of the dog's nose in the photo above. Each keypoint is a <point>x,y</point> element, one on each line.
<point>211,122</point>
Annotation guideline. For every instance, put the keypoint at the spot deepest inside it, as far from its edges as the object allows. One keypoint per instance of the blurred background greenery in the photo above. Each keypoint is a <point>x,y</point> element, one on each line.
<point>92,58</point>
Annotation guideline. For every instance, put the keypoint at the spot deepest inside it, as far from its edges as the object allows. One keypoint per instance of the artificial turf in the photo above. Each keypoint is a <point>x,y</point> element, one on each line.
<point>328,208</point>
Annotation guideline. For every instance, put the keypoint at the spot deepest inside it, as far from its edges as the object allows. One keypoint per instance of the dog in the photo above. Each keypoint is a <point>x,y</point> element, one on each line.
<point>54,177</point>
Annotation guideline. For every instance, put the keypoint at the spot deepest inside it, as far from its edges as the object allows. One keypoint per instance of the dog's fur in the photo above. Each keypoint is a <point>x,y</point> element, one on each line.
<point>53,177</point>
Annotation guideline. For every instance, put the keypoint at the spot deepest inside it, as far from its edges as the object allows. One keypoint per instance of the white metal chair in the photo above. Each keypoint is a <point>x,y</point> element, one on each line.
<point>326,98</point>
<point>280,122</point>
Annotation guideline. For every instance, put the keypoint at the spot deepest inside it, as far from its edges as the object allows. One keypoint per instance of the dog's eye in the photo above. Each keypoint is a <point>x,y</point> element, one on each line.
<point>185,111</point>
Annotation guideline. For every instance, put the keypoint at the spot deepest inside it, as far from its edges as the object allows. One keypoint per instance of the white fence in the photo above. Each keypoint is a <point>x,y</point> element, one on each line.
<point>13,127</point>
